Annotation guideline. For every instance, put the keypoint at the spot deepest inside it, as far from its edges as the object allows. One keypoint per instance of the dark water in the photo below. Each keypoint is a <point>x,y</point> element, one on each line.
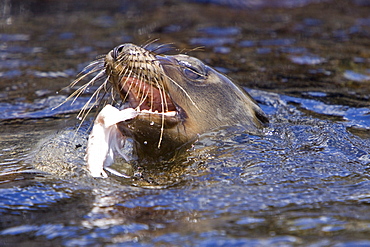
<point>306,181</point>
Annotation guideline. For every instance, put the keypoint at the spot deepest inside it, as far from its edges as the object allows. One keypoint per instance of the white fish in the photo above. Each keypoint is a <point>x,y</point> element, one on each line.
<point>105,139</point>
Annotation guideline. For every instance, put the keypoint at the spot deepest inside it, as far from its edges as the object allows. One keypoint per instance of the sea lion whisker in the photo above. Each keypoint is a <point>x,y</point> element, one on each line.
<point>106,83</point>
<point>149,43</point>
<point>198,48</point>
<point>84,87</point>
<point>100,57</point>
<point>184,91</point>
<point>162,92</point>
<point>160,84</point>
<point>73,83</point>
<point>163,101</point>
<point>86,105</point>
<point>81,89</point>
<point>97,62</point>
<point>78,93</point>
<point>152,98</point>
<point>121,62</point>
<point>107,86</point>
<point>100,105</point>
<point>162,122</point>
<point>147,78</point>
<point>168,46</point>
<point>123,73</point>
<point>113,94</point>
<point>150,78</point>
<point>141,88</point>
<point>123,59</point>
<point>91,68</point>
<point>97,91</point>
<point>121,87</point>
<point>98,76</point>
<point>116,68</point>
<point>92,63</point>
<point>84,112</point>
<point>138,77</point>
<point>143,98</point>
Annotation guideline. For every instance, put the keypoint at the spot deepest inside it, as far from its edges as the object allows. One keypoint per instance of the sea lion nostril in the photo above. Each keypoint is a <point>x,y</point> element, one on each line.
<point>117,50</point>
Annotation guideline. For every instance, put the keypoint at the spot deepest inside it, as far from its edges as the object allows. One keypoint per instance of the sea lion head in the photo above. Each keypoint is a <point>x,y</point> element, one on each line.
<point>178,97</point>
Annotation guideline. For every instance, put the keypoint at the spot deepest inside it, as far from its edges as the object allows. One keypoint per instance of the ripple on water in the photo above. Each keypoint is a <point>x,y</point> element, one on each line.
<point>316,94</point>
<point>41,108</point>
<point>11,73</point>
<point>286,44</point>
<point>220,31</point>
<point>211,42</point>
<point>52,74</point>
<point>79,50</point>
<point>292,49</point>
<point>15,63</point>
<point>247,43</point>
<point>14,49</point>
<point>67,35</point>
<point>30,197</point>
<point>355,76</point>
<point>307,59</point>
<point>300,164</point>
<point>306,181</point>
<point>222,49</point>
<point>14,37</point>
<point>352,117</point>
<point>277,42</point>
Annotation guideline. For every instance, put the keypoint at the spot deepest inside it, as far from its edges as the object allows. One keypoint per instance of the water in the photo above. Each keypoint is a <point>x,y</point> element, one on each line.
<point>304,182</point>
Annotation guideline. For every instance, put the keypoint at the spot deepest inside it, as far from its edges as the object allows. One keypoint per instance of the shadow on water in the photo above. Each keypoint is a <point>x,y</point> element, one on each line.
<point>304,182</point>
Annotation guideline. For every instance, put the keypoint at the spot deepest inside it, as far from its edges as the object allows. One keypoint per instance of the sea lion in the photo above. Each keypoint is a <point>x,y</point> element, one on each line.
<point>176,97</point>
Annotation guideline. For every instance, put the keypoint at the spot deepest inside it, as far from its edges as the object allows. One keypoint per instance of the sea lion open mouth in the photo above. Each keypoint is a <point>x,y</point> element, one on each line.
<point>168,102</point>
<point>138,77</point>
<point>140,82</point>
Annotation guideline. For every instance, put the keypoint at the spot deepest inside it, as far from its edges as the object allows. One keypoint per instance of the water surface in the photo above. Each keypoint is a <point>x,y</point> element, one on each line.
<point>304,182</point>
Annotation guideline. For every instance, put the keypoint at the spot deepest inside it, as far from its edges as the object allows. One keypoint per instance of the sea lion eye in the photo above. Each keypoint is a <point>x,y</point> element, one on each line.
<point>192,72</point>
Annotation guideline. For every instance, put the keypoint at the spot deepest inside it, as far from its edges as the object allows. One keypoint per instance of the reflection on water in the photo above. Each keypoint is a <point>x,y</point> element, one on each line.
<point>304,182</point>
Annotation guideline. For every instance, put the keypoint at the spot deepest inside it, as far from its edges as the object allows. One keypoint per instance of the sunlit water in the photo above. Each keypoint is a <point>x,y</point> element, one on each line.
<point>305,181</point>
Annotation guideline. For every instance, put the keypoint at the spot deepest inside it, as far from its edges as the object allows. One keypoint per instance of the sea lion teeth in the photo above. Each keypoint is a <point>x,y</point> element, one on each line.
<point>169,113</point>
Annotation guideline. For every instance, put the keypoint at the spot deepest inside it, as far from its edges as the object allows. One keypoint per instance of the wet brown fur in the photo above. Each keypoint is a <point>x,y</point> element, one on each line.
<point>202,98</point>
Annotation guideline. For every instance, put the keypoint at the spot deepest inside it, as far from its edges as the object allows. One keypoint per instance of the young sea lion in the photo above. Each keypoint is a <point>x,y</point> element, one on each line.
<point>176,98</point>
